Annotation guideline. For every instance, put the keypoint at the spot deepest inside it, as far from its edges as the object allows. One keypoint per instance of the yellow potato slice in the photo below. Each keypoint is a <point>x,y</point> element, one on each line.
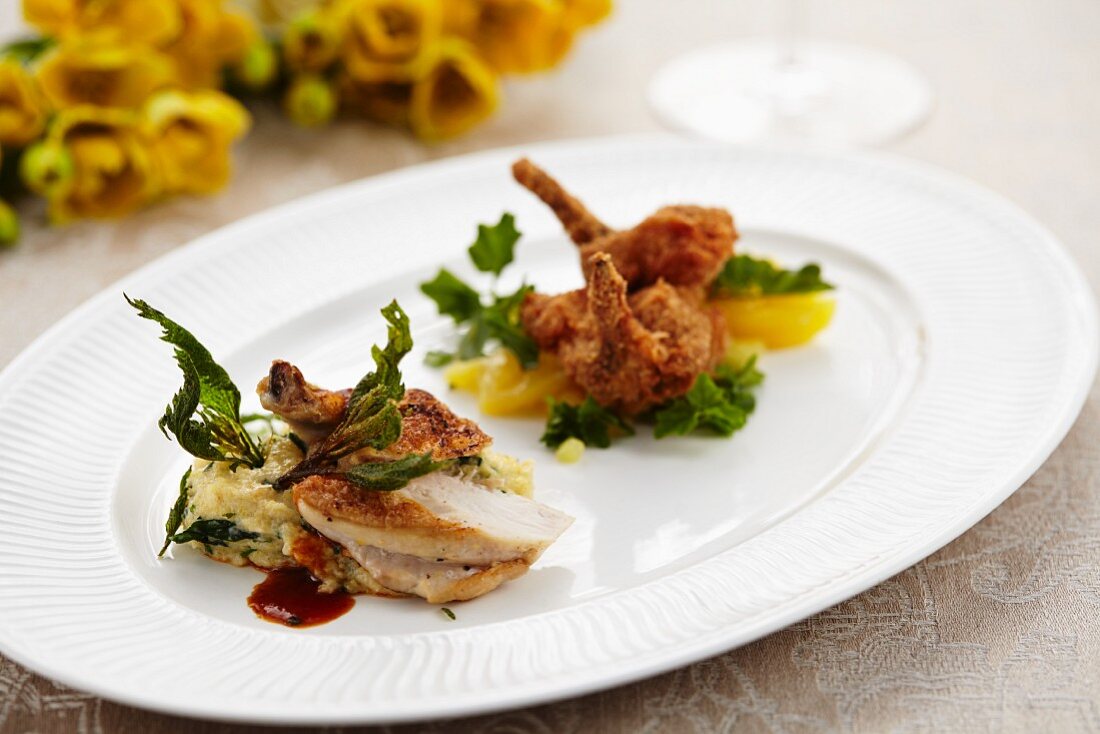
<point>777,321</point>
<point>503,387</point>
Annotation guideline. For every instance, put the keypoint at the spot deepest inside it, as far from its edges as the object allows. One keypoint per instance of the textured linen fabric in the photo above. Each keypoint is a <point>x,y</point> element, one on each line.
<point>996,632</point>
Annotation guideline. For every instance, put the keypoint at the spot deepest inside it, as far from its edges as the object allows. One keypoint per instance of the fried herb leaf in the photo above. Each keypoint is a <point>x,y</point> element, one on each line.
<point>216,531</point>
<point>386,476</point>
<point>372,419</point>
<point>744,275</point>
<point>590,422</point>
<point>175,515</point>
<point>495,245</point>
<point>204,415</point>
<point>721,403</point>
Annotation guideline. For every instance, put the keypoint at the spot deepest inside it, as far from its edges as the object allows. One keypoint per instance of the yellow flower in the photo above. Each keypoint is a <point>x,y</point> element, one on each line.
<point>581,13</point>
<point>458,91</point>
<point>108,21</point>
<point>112,168</point>
<point>106,76</point>
<point>522,35</point>
<point>235,33</point>
<point>9,225</point>
<point>387,40</point>
<point>385,102</point>
<point>191,133</point>
<point>311,41</point>
<point>209,38</point>
<point>460,17</point>
<point>310,101</point>
<point>22,108</point>
<point>278,12</point>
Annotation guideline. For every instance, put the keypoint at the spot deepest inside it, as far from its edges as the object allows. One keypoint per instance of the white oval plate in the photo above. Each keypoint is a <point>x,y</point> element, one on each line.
<point>963,347</point>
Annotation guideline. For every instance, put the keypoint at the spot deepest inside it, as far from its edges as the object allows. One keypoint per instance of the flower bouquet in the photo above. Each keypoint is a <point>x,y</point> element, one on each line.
<point>120,103</point>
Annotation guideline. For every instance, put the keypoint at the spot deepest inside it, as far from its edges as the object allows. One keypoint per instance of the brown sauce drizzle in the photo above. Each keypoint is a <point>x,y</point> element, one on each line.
<point>292,597</point>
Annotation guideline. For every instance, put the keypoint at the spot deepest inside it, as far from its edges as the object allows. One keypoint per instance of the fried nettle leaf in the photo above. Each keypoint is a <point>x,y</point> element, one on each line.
<point>372,420</point>
<point>204,415</point>
<point>590,422</point>
<point>495,245</point>
<point>215,531</point>
<point>175,515</point>
<point>720,403</point>
<point>744,275</point>
<point>386,476</point>
<point>481,323</point>
<point>483,320</point>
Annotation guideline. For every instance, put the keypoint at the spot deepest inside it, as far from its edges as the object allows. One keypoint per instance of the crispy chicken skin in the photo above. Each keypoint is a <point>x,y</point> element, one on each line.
<point>440,537</point>
<point>682,245</point>
<point>427,425</point>
<point>628,352</point>
<point>312,412</point>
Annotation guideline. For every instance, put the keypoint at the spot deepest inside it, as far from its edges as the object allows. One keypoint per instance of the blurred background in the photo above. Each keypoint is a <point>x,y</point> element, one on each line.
<point>1015,108</point>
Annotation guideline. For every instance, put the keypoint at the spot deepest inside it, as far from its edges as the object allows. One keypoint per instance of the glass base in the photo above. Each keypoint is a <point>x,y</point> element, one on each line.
<point>753,91</point>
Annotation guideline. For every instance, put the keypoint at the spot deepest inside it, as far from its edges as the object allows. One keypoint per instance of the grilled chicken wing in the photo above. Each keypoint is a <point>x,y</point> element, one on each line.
<point>310,411</point>
<point>427,425</point>
<point>441,537</point>
<point>682,245</point>
<point>628,352</point>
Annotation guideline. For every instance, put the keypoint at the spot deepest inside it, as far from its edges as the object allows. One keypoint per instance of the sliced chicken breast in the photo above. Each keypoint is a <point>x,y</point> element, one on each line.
<point>440,537</point>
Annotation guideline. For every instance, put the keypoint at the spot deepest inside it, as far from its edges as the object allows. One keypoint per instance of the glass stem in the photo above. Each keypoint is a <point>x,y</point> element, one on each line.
<point>790,35</point>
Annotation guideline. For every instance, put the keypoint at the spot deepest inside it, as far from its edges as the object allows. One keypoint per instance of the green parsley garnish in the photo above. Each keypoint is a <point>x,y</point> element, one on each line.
<point>447,612</point>
<point>720,403</point>
<point>483,320</point>
<point>205,415</point>
<point>590,422</point>
<point>744,275</point>
<point>495,246</point>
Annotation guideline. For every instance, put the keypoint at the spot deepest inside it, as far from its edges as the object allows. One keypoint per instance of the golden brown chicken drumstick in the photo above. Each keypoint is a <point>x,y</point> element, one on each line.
<point>682,245</point>
<point>641,331</point>
<point>627,352</point>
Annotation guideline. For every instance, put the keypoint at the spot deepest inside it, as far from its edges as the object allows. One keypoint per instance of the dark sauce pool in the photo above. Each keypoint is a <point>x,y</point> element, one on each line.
<point>292,597</point>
